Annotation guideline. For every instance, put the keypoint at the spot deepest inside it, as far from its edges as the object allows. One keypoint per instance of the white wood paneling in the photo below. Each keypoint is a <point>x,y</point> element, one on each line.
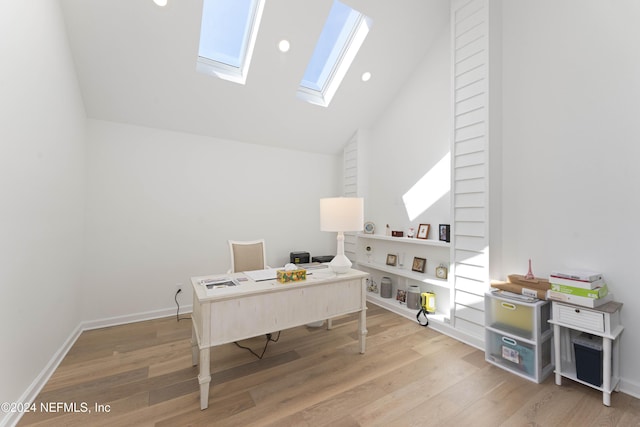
<point>473,301</point>
<point>470,253</point>
<point>470,214</point>
<point>350,188</point>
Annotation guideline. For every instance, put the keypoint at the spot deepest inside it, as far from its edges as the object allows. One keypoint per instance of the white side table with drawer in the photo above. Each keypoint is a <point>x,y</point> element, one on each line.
<point>570,320</point>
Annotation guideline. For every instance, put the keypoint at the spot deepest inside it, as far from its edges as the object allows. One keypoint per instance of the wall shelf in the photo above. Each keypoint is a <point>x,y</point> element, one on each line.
<point>402,276</point>
<point>408,274</point>
<point>395,306</point>
<point>426,242</point>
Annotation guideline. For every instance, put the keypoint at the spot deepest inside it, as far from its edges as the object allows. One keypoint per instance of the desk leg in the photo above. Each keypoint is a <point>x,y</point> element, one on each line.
<point>606,371</point>
<point>557,353</point>
<point>194,347</point>
<point>362,327</point>
<point>204,378</point>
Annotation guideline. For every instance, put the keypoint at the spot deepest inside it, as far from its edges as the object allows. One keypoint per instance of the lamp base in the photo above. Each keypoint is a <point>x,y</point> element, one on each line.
<point>340,264</point>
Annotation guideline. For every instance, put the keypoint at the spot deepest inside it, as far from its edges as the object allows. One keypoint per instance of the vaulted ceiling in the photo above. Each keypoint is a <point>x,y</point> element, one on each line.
<point>136,64</point>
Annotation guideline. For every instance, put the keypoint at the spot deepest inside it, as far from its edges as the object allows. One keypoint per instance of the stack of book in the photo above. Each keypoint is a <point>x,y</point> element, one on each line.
<point>584,288</point>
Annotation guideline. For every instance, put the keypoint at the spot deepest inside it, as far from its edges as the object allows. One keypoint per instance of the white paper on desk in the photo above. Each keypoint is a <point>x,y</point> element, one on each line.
<point>260,275</point>
<point>218,282</point>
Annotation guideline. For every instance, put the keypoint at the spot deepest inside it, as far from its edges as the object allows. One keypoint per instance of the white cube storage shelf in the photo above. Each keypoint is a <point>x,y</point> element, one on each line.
<point>518,337</point>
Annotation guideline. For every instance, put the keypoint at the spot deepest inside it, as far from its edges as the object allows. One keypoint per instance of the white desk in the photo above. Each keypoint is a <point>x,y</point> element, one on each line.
<point>255,308</point>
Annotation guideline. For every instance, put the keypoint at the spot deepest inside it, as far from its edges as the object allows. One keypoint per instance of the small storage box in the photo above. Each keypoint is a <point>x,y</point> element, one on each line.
<point>299,257</point>
<point>588,351</point>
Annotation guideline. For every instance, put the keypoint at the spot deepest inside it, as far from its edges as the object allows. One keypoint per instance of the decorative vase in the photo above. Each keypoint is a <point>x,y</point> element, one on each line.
<point>386,287</point>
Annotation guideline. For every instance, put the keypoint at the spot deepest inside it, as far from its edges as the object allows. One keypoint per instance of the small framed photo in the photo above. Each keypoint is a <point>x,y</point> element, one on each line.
<point>392,259</point>
<point>444,233</point>
<point>401,296</point>
<point>423,231</point>
<point>419,264</point>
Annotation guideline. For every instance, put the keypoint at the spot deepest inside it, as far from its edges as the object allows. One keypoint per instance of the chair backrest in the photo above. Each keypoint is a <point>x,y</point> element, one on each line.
<point>248,255</point>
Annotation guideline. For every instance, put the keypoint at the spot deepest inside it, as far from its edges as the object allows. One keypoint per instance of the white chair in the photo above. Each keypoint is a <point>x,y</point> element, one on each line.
<point>247,255</point>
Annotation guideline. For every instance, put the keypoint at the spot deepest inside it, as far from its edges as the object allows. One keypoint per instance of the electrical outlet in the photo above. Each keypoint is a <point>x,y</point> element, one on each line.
<point>178,288</point>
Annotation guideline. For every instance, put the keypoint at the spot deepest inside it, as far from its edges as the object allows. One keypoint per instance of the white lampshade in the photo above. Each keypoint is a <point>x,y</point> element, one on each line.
<point>342,214</point>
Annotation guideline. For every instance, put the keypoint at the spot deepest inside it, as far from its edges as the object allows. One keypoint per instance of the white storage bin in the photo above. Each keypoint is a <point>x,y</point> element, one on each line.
<point>518,337</point>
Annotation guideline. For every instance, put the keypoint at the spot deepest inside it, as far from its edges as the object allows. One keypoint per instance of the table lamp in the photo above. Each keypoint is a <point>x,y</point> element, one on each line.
<point>341,214</point>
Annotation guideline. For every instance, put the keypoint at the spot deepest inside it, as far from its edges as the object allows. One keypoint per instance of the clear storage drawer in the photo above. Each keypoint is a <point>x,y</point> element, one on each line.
<point>519,356</point>
<point>518,318</point>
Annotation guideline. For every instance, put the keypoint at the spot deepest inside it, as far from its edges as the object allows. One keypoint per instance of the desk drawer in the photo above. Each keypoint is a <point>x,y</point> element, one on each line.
<point>580,317</point>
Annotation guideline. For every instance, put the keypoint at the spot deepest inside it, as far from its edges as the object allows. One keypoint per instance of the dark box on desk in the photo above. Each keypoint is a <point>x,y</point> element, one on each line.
<point>588,351</point>
<point>322,258</point>
<point>299,257</point>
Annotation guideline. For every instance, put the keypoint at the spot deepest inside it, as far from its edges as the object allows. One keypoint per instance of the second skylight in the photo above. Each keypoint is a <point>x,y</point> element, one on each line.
<point>341,38</point>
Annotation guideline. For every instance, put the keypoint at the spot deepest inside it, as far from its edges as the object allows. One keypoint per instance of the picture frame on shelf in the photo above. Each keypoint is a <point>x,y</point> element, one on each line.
<point>444,233</point>
<point>423,231</point>
<point>392,259</point>
<point>401,296</point>
<point>419,264</point>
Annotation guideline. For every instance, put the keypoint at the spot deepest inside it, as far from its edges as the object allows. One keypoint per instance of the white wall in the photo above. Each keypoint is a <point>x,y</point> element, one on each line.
<point>41,183</point>
<point>408,140</point>
<point>571,84</point>
<point>162,205</point>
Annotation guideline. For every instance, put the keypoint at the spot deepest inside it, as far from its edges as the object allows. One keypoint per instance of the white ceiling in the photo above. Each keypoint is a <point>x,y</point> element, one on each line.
<point>136,64</point>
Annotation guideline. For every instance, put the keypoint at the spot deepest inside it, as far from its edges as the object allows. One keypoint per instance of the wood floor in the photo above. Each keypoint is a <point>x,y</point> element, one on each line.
<point>141,375</point>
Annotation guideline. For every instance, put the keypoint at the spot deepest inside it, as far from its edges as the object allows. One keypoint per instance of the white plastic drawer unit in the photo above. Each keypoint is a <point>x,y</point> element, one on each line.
<point>517,355</point>
<point>518,318</point>
<point>580,317</point>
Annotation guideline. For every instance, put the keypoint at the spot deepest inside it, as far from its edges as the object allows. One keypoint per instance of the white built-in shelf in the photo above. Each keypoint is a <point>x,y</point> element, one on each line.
<point>427,242</point>
<point>403,272</point>
<point>395,306</point>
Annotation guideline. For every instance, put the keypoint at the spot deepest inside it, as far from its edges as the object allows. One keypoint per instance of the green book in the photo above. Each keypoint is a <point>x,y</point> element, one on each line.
<point>596,293</point>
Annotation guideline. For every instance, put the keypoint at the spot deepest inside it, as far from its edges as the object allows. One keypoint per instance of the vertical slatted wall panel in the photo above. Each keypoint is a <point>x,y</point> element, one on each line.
<point>350,189</point>
<point>470,234</point>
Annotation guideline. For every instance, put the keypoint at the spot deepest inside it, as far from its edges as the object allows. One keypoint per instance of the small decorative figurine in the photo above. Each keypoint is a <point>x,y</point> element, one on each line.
<point>410,233</point>
<point>529,275</point>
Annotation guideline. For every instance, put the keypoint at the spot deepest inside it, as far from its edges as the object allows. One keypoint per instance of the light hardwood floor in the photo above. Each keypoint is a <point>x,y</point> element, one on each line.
<point>409,376</point>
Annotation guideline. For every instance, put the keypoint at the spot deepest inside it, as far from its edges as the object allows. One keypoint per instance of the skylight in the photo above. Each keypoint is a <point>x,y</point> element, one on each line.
<point>227,37</point>
<point>341,38</point>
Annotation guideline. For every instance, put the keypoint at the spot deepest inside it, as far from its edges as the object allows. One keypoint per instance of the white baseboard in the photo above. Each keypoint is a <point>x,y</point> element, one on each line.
<point>30,394</point>
<point>132,318</point>
<point>631,388</point>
